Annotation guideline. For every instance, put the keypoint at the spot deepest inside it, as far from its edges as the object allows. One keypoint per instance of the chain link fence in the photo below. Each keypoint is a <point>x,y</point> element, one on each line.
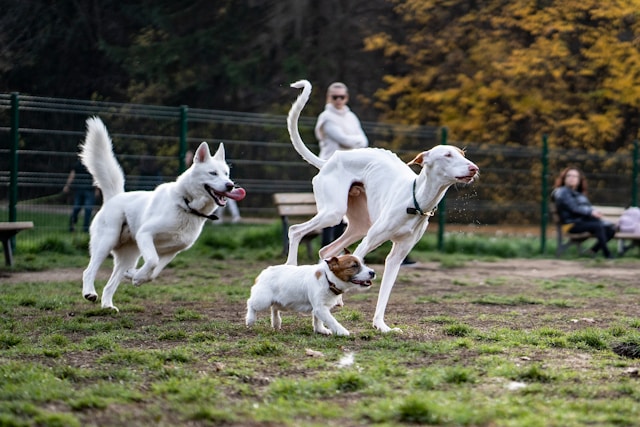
<point>40,138</point>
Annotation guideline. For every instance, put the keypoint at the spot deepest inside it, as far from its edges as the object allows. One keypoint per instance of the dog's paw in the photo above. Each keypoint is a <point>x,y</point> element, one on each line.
<point>139,280</point>
<point>323,331</point>
<point>342,332</point>
<point>112,307</point>
<point>91,297</point>
<point>382,327</point>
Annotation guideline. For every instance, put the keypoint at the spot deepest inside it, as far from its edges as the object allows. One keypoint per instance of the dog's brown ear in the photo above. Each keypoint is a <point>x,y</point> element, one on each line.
<point>347,251</point>
<point>417,160</point>
<point>333,262</point>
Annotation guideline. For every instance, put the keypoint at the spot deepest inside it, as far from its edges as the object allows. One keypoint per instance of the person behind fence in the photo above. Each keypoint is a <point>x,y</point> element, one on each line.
<point>576,211</point>
<point>338,128</point>
<point>150,173</point>
<point>80,185</point>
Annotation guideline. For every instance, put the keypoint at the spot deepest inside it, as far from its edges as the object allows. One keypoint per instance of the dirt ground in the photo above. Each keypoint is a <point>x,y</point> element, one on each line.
<point>428,289</point>
<point>473,271</point>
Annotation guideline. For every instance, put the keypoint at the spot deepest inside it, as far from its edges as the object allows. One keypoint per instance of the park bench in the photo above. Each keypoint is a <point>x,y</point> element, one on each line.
<point>296,205</point>
<point>7,231</point>
<point>612,214</point>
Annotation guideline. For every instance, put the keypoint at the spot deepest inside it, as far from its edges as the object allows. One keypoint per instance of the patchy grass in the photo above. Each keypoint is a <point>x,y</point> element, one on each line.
<point>483,343</point>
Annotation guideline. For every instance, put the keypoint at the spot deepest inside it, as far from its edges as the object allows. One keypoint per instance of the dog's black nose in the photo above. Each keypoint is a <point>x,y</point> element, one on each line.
<point>230,186</point>
<point>372,274</point>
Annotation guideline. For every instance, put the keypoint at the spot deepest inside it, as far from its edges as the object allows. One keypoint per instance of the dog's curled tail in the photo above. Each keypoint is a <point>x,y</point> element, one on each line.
<point>96,153</point>
<point>292,124</point>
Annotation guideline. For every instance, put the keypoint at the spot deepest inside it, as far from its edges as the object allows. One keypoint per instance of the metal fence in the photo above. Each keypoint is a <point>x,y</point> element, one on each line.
<point>40,138</point>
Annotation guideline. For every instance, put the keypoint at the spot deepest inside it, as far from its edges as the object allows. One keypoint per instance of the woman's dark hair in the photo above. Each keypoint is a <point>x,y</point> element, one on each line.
<point>582,185</point>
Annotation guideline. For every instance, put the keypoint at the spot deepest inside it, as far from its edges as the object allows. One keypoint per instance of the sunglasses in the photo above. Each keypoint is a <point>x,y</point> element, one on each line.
<point>336,97</point>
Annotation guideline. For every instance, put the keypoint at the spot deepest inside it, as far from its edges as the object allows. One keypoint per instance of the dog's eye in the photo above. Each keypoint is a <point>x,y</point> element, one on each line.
<point>448,154</point>
<point>214,173</point>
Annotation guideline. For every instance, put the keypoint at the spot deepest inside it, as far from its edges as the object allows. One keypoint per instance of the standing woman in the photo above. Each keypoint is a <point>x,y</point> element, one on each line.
<point>338,128</point>
<point>574,208</point>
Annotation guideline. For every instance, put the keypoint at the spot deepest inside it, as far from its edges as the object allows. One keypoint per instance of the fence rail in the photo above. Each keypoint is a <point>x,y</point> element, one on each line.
<point>41,136</point>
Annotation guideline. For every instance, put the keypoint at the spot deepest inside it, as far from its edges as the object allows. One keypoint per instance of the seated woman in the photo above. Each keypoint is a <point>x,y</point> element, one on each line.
<point>573,207</point>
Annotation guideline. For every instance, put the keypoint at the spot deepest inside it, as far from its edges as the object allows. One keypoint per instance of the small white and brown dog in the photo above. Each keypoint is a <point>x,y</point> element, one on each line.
<point>314,289</point>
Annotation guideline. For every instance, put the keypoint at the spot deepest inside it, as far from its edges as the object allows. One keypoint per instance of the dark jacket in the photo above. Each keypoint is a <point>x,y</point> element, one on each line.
<point>572,205</point>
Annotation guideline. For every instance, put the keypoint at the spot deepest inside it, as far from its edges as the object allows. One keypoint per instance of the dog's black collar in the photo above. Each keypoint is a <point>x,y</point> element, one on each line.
<point>212,217</point>
<point>332,286</point>
<point>416,210</point>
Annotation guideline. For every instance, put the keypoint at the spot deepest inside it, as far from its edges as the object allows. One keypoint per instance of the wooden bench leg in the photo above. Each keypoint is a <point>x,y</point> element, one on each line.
<point>285,236</point>
<point>8,255</point>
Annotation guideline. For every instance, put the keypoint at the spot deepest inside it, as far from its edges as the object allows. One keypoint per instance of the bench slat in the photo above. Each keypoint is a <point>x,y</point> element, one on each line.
<point>296,205</point>
<point>297,210</point>
<point>294,198</point>
<point>7,231</point>
<point>20,225</point>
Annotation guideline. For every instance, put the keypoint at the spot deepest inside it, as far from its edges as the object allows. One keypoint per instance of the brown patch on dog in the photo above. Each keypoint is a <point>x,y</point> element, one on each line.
<point>318,274</point>
<point>345,266</point>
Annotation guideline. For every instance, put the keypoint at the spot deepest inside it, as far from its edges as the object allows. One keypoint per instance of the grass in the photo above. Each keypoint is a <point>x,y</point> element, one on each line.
<point>495,352</point>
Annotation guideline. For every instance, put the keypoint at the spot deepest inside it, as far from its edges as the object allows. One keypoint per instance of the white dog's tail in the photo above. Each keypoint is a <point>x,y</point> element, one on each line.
<point>96,153</point>
<point>292,124</point>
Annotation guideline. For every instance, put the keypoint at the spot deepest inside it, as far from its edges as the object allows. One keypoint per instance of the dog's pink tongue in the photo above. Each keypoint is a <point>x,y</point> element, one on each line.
<point>237,193</point>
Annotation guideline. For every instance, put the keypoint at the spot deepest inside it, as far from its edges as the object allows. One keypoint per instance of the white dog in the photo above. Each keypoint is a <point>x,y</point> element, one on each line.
<point>308,289</point>
<point>156,224</point>
<point>381,196</point>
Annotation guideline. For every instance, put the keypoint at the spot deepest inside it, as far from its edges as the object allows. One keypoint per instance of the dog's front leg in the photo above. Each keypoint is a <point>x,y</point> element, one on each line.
<point>391,268</point>
<point>322,315</point>
<point>150,256</point>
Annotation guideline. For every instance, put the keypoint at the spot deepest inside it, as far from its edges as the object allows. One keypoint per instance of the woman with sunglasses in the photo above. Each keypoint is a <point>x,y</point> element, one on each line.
<point>338,128</point>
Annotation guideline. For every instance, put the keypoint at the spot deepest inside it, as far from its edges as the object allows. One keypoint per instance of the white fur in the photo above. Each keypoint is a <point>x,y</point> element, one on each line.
<point>156,224</point>
<point>304,289</point>
<point>377,210</point>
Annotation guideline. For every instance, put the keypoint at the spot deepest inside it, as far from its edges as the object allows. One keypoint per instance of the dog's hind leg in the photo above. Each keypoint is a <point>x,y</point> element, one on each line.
<point>99,249</point>
<point>298,231</point>
<point>123,259</point>
<point>250,318</point>
<point>334,248</point>
<point>358,223</point>
<point>276,319</point>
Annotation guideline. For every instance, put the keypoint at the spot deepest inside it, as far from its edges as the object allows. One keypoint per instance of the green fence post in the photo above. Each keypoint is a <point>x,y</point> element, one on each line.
<point>13,163</point>
<point>183,136</point>
<point>442,207</point>
<point>544,208</point>
<point>634,181</point>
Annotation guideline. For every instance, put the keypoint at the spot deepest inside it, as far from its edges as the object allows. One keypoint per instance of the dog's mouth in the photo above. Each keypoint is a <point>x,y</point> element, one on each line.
<point>237,193</point>
<point>363,283</point>
<point>467,179</point>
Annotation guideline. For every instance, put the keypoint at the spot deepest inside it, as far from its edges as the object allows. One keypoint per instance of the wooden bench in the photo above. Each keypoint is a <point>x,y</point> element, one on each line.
<point>7,231</point>
<point>296,205</point>
<point>612,214</point>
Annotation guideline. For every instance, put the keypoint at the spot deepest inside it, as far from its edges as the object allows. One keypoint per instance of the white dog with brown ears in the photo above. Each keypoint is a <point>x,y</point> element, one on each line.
<point>312,289</point>
<point>157,224</point>
<point>382,198</point>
